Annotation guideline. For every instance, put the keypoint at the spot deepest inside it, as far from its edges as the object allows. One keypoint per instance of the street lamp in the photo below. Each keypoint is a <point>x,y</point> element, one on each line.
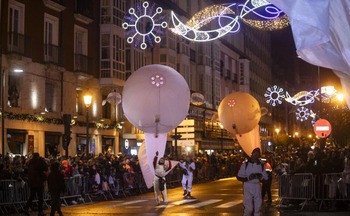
<point>277,130</point>
<point>222,136</point>
<point>87,102</point>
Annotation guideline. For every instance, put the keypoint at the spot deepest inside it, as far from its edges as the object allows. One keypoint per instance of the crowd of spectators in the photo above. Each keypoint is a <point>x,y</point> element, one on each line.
<point>121,168</point>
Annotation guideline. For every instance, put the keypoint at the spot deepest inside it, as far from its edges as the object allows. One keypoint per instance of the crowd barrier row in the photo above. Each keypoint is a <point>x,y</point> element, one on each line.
<point>80,189</point>
<point>15,193</point>
<point>321,188</point>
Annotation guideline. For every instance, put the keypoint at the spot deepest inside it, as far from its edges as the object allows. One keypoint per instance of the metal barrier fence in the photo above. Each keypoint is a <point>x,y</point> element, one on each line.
<point>14,193</point>
<point>319,188</point>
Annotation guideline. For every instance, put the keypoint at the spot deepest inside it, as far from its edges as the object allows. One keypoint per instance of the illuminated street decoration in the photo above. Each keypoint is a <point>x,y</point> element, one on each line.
<point>302,113</point>
<point>143,25</point>
<point>302,98</point>
<point>274,95</point>
<point>193,34</point>
<point>263,15</point>
<point>255,13</point>
<point>313,116</point>
<point>327,93</point>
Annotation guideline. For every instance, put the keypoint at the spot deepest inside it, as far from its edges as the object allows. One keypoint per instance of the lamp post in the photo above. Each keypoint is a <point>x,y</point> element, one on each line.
<point>222,136</point>
<point>87,102</point>
<point>277,130</point>
<point>2,80</point>
<point>176,137</point>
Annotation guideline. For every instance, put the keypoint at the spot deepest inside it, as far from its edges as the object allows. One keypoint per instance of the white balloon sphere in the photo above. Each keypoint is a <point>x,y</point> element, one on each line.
<point>239,112</point>
<point>156,98</point>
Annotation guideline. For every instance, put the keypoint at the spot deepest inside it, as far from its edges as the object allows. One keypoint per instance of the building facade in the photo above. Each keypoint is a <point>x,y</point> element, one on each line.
<point>66,48</point>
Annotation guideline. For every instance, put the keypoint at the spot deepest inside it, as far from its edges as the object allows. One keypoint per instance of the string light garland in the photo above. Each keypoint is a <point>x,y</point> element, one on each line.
<point>57,121</point>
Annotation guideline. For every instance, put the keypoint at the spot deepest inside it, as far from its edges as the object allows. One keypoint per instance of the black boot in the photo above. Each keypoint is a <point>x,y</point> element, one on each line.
<point>188,194</point>
<point>185,192</point>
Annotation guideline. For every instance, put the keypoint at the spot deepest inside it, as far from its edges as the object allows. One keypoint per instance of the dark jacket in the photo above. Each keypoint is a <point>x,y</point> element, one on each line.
<point>37,169</point>
<point>56,183</point>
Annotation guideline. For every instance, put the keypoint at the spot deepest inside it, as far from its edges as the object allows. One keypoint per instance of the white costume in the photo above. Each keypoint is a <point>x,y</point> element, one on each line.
<point>160,170</point>
<point>252,193</point>
<point>189,166</point>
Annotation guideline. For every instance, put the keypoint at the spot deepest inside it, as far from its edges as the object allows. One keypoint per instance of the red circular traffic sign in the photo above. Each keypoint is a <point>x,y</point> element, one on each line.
<point>322,128</point>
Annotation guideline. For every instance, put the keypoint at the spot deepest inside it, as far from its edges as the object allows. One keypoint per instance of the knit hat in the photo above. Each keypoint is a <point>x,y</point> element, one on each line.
<point>256,149</point>
<point>65,163</point>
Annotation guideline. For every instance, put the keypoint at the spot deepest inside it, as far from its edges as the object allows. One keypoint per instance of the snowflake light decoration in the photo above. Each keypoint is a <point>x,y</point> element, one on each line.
<point>143,25</point>
<point>274,95</point>
<point>302,113</point>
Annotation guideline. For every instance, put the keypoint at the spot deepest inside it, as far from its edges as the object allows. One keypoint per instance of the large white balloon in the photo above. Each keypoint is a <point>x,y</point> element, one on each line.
<point>249,141</point>
<point>239,112</point>
<point>156,98</point>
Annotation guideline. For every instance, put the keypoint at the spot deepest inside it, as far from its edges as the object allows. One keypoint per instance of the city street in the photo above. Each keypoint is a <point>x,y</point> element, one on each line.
<point>221,197</point>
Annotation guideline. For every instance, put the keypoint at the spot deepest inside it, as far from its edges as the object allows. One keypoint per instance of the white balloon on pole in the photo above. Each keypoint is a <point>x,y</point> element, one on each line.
<point>239,112</point>
<point>249,141</point>
<point>156,98</point>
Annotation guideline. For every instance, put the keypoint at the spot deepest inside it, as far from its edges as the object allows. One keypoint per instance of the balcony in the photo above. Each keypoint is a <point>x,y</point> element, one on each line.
<point>57,5</point>
<point>19,44</point>
<point>53,54</point>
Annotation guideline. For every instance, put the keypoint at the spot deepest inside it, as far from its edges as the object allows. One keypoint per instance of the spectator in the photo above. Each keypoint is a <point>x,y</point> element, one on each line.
<point>56,185</point>
<point>67,169</point>
<point>266,185</point>
<point>37,174</point>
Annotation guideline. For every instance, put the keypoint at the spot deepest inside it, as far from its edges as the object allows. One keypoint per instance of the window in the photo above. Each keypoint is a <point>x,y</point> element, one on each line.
<point>50,97</point>
<point>51,38</point>
<point>163,58</point>
<point>80,49</point>
<point>106,109</point>
<point>13,91</point>
<point>79,102</point>
<point>80,40</point>
<point>16,26</point>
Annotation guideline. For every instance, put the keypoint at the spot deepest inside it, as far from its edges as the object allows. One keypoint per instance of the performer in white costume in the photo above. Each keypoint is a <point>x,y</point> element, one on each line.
<point>251,173</point>
<point>159,183</point>
<point>188,167</point>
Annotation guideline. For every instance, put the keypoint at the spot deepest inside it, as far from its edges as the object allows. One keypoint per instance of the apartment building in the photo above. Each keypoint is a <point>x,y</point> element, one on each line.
<point>68,47</point>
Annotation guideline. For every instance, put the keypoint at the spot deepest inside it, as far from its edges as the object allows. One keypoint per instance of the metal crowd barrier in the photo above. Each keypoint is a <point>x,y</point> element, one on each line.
<point>174,177</point>
<point>298,186</point>
<point>328,187</point>
<point>74,188</point>
<point>15,193</point>
<point>332,187</point>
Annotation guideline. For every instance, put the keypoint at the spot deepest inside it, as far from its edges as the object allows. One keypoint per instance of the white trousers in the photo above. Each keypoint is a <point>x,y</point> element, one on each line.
<point>187,179</point>
<point>157,191</point>
<point>252,199</point>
